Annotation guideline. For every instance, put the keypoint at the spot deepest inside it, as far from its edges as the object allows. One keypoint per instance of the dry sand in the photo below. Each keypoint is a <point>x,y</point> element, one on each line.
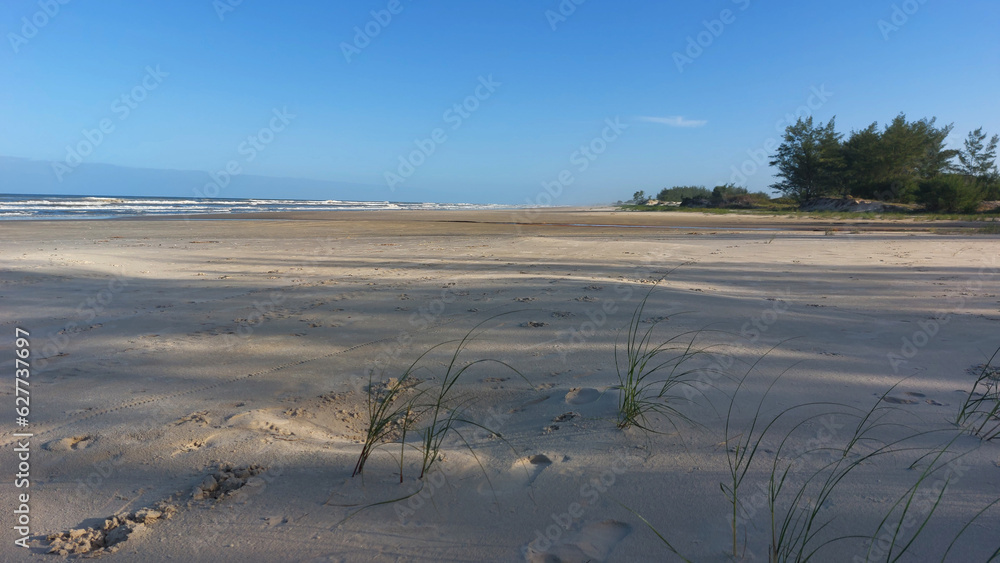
<point>202,381</point>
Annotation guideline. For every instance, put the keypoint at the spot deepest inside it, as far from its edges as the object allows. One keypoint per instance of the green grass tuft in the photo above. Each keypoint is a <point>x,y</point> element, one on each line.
<point>980,412</point>
<point>436,408</point>
<point>388,413</point>
<point>650,375</point>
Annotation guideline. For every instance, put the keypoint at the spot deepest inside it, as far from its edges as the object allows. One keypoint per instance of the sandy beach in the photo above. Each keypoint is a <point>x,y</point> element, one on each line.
<point>164,351</point>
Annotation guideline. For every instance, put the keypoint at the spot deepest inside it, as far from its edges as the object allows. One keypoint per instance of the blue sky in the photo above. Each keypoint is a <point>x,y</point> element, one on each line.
<point>539,80</point>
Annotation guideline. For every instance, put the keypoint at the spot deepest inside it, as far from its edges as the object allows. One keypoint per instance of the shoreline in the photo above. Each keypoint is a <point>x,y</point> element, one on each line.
<point>566,218</point>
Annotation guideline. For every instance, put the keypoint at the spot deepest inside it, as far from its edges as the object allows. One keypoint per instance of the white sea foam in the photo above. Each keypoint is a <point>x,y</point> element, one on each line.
<point>82,207</point>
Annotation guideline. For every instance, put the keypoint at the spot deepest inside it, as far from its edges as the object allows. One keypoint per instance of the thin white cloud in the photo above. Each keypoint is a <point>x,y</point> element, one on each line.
<point>675,121</point>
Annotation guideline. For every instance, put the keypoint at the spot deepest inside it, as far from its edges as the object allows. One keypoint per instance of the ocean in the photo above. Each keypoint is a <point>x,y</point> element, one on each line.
<point>34,206</point>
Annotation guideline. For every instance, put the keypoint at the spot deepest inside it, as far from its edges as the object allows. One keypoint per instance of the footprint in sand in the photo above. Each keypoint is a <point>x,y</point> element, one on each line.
<point>523,473</point>
<point>582,396</point>
<point>532,402</point>
<point>200,417</point>
<point>191,447</point>
<point>914,401</point>
<point>594,542</point>
<point>67,444</point>
<point>931,402</point>
<point>899,400</point>
<point>532,466</point>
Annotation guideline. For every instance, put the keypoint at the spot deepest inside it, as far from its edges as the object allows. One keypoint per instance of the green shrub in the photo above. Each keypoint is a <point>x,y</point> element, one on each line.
<point>950,193</point>
<point>784,201</point>
<point>991,187</point>
<point>733,196</point>
<point>723,195</point>
<point>680,193</point>
<point>899,190</point>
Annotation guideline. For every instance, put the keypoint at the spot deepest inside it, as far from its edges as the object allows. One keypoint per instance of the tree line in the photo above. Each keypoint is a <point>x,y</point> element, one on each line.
<point>903,162</point>
<point>729,195</point>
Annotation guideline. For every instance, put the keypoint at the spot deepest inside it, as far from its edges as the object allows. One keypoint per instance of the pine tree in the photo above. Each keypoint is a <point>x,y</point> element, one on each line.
<point>978,159</point>
<point>809,161</point>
